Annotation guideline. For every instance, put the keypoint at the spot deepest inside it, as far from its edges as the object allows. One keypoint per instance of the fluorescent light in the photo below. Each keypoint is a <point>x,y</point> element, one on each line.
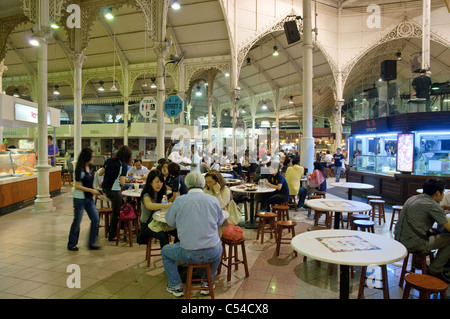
<point>54,26</point>
<point>433,133</point>
<point>153,84</point>
<point>291,100</point>
<point>34,42</point>
<point>175,5</point>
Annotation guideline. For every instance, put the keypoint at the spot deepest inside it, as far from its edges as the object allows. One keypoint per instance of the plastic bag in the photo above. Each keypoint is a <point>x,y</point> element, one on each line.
<point>233,233</point>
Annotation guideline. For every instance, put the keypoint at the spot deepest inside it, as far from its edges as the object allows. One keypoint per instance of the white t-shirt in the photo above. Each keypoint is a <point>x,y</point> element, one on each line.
<point>137,172</point>
<point>196,160</point>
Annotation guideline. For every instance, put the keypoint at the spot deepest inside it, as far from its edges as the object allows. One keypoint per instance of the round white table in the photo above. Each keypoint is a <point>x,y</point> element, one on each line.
<point>224,175</point>
<point>338,206</point>
<point>244,189</point>
<point>348,248</point>
<point>420,190</point>
<point>352,186</point>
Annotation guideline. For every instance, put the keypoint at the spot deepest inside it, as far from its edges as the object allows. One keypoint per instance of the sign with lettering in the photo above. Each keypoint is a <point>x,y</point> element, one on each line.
<point>147,107</point>
<point>173,106</point>
<point>28,114</point>
<point>376,125</point>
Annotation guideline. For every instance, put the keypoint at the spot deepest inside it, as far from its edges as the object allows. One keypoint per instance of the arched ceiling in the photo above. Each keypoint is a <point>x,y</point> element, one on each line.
<point>199,31</point>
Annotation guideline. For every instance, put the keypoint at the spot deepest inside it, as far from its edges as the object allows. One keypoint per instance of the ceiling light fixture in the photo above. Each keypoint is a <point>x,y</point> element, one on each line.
<point>198,92</point>
<point>16,93</point>
<point>34,42</point>
<point>291,100</point>
<point>275,51</point>
<point>399,56</point>
<point>175,4</point>
<point>264,106</point>
<point>249,62</point>
<point>113,88</point>
<point>101,88</point>
<point>144,85</point>
<point>153,84</point>
<point>108,14</point>
<point>56,90</point>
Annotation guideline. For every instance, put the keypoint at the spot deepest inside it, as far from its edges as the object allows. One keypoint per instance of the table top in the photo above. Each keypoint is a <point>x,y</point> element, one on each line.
<point>233,181</point>
<point>224,175</point>
<point>349,247</point>
<point>420,190</point>
<point>132,192</point>
<point>257,189</point>
<point>352,185</point>
<point>338,205</point>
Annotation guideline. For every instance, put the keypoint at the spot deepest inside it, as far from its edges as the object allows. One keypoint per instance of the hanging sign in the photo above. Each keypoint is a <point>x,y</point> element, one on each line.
<point>173,106</point>
<point>147,107</point>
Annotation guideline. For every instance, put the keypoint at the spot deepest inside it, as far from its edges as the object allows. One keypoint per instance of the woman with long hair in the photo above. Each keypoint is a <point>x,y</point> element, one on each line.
<point>115,172</point>
<point>317,181</point>
<point>83,201</point>
<point>151,198</point>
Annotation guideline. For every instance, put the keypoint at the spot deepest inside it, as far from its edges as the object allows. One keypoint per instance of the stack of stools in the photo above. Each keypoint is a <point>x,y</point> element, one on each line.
<point>426,285</point>
<point>423,264</point>
<point>190,280</point>
<point>127,225</point>
<point>370,197</point>
<point>148,251</point>
<point>268,218</point>
<point>396,209</point>
<point>290,226</point>
<point>384,279</point>
<point>228,261</point>
<point>377,210</point>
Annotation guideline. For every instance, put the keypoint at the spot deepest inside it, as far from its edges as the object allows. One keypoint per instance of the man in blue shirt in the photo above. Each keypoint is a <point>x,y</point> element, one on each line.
<point>338,167</point>
<point>196,216</point>
<point>276,180</point>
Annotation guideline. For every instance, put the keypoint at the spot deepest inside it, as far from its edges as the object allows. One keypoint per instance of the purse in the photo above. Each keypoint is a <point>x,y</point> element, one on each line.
<point>127,211</point>
<point>233,233</point>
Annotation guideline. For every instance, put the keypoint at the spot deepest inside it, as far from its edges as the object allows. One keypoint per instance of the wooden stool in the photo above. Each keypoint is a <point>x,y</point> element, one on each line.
<point>282,212</point>
<point>318,213</point>
<point>293,201</point>
<point>426,285</point>
<point>127,225</point>
<point>289,225</point>
<point>384,279</point>
<point>228,261</point>
<point>370,197</point>
<point>364,225</point>
<point>105,212</point>
<point>270,218</point>
<point>67,178</point>
<point>395,209</point>
<point>351,217</point>
<point>423,264</point>
<point>148,251</point>
<point>189,279</point>
<point>244,201</point>
<point>377,203</point>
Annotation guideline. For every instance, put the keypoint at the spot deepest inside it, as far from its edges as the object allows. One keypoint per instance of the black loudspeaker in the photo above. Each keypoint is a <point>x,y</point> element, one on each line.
<point>388,70</point>
<point>291,31</point>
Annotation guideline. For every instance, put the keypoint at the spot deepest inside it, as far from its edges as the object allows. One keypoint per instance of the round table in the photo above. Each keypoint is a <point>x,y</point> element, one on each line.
<point>352,186</point>
<point>233,181</point>
<point>420,190</point>
<point>244,189</point>
<point>348,248</point>
<point>224,175</point>
<point>338,206</point>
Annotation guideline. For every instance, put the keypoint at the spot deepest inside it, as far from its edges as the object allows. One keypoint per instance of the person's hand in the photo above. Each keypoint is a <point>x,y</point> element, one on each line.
<point>166,206</point>
<point>96,192</point>
<point>446,207</point>
<point>216,188</point>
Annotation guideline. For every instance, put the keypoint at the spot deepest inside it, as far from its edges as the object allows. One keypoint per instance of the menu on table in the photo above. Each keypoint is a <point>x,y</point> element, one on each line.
<point>331,204</point>
<point>346,243</point>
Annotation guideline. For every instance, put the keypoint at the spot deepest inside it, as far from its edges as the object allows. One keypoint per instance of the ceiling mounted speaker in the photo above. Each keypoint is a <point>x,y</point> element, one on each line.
<point>388,70</point>
<point>291,31</point>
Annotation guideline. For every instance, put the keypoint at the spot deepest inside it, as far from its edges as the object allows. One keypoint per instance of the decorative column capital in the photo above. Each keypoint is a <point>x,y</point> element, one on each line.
<point>77,58</point>
<point>3,68</point>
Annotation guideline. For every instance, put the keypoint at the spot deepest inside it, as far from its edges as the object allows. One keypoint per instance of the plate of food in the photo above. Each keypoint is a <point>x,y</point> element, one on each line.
<point>241,187</point>
<point>251,189</point>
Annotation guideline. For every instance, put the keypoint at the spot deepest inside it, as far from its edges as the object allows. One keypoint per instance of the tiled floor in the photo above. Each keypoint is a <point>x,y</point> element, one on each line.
<point>34,263</point>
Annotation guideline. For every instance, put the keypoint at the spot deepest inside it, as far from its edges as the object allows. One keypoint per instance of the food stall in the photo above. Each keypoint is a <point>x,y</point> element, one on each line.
<point>396,154</point>
<point>18,178</point>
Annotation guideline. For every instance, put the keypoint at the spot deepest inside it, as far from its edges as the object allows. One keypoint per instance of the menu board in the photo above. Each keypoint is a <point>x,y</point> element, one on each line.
<point>405,152</point>
<point>339,244</point>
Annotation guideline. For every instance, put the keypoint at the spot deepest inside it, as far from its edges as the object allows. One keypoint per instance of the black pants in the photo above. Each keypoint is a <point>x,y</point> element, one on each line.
<point>116,203</point>
<point>274,199</point>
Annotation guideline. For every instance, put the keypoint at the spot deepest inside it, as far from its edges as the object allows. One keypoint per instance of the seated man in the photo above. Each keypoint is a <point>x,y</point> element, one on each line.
<point>138,169</point>
<point>275,180</point>
<point>293,175</point>
<point>197,217</point>
<point>418,215</point>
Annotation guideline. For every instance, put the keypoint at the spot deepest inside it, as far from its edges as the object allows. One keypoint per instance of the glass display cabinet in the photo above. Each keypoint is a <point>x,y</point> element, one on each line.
<point>23,161</point>
<point>6,165</point>
<point>385,165</point>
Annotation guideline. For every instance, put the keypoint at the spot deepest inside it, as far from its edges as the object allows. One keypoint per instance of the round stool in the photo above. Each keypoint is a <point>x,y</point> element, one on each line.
<point>127,226</point>
<point>423,264</point>
<point>228,261</point>
<point>263,219</point>
<point>190,280</point>
<point>282,212</point>
<point>377,210</point>
<point>370,197</point>
<point>318,213</point>
<point>149,249</point>
<point>105,212</point>
<point>364,225</point>
<point>395,210</point>
<point>426,285</point>
<point>293,201</point>
<point>384,279</point>
<point>285,224</point>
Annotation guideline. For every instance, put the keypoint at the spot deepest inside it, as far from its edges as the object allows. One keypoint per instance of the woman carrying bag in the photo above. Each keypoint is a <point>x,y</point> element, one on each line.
<point>83,201</point>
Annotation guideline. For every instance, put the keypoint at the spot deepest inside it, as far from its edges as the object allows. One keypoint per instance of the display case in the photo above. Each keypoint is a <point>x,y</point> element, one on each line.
<point>23,161</point>
<point>6,165</point>
<point>376,164</point>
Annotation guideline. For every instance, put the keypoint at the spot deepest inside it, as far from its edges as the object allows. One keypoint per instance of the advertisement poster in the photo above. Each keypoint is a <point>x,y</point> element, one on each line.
<point>405,154</point>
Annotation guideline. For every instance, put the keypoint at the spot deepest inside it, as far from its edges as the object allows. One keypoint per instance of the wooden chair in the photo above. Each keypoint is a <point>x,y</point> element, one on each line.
<point>396,209</point>
<point>426,285</point>
<point>227,261</point>
<point>190,280</point>
<point>290,226</point>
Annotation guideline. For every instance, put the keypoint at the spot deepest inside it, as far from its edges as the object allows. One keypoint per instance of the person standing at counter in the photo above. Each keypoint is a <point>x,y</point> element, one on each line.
<point>114,174</point>
<point>83,201</point>
<point>53,150</point>
<point>338,164</point>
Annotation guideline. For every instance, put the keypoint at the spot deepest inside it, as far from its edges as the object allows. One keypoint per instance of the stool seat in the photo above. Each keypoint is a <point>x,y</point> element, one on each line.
<point>426,285</point>
<point>423,264</point>
<point>266,217</point>
<point>282,224</point>
<point>190,280</point>
<point>396,209</point>
<point>227,261</point>
<point>372,197</point>
<point>364,225</point>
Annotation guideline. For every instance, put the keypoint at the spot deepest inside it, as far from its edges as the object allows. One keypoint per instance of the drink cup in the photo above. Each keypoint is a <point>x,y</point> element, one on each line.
<point>136,187</point>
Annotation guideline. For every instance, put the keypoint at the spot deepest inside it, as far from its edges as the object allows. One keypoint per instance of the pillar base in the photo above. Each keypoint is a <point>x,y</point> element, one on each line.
<point>43,204</point>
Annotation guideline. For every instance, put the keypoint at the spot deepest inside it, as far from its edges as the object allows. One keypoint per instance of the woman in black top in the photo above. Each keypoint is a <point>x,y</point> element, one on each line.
<point>115,172</point>
<point>83,200</point>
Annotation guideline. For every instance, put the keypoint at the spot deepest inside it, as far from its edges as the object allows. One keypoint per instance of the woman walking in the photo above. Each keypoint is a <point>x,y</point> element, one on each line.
<point>83,201</point>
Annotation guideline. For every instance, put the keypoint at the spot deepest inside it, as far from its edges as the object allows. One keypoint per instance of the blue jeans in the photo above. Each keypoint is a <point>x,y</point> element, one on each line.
<point>171,254</point>
<point>337,170</point>
<point>80,205</point>
<point>302,193</point>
